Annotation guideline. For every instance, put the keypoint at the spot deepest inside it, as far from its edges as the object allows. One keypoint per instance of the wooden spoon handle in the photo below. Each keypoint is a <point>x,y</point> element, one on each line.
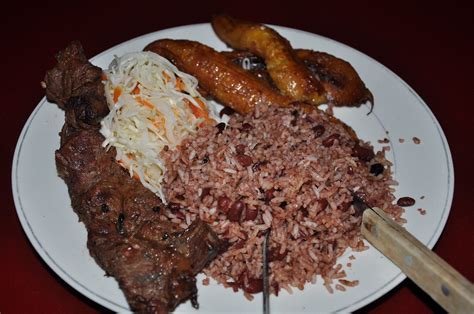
<point>431,273</point>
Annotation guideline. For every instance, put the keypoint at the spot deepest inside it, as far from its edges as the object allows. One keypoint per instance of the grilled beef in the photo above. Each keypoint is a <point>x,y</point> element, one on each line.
<point>153,260</point>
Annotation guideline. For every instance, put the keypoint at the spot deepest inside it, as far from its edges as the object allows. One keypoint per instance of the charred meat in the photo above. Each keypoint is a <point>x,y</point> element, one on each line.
<point>153,260</point>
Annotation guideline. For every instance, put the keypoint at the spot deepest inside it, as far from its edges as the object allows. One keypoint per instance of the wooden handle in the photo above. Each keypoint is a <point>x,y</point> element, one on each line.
<point>431,273</point>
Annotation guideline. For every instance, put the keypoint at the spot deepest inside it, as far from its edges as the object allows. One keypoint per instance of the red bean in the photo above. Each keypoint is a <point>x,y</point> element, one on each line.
<point>359,206</point>
<point>363,153</point>
<point>226,111</point>
<point>223,203</point>
<point>329,141</point>
<point>251,213</point>
<point>304,211</point>
<point>376,169</point>
<point>220,127</point>
<point>205,192</point>
<point>359,201</point>
<point>235,211</point>
<point>174,207</point>
<point>276,288</point>
<point>309,119</point>
<point>275,255</point>
<point>244,160</point>
<point>269,194</point>
<point>246,127</point>
<point>318,130</point>
<point>240,149</point>
<point>405,201</point>
<point>323,203</point>
<point>295,115</point>
<point>238,245</point>
<point>253,285</point>
<point>345,206</point>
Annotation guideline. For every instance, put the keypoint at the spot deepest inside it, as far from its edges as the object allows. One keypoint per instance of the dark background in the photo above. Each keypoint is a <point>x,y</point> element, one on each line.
<point>429,45</point>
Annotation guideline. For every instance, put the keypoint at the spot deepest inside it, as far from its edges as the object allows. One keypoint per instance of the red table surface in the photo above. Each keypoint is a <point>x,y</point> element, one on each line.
<point>429,45</point>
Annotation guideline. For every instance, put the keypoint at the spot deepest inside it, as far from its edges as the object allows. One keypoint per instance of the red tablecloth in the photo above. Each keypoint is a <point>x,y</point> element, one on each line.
<point>429,45</point>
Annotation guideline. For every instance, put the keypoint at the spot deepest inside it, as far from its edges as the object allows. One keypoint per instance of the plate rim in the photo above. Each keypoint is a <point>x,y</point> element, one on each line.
<point>388,286</point>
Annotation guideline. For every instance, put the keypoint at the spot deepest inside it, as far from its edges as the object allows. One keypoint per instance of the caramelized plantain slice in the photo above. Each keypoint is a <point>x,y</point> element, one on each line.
<point>340,80</point>
<point>342,85</point>
<point>224,80</point>
<point>289,74</point>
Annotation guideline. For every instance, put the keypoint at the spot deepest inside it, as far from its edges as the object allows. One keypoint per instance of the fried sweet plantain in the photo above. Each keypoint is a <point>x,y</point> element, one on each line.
<point>251,63</point>
<point>342,85</point>
<point>224,79</point>
<point>227,82</point>
<point>289,74</point>
<point>340,80</point>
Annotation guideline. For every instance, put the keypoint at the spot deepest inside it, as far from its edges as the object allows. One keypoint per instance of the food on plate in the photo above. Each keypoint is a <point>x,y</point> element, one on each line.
<point>167,190</point>
<point>342,84</point>
<point>340,80</point>
<point>416,140</point>
<point>284,169</point>
<point>224,80</point>
<point>152,105</point>
<point>251,63</point>
<point>153,260</point>
<point>291,168</point>
<point>288,73</point>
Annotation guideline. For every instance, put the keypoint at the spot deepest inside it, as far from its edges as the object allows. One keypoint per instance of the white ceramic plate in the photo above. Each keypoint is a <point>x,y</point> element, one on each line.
<point>426,169</point>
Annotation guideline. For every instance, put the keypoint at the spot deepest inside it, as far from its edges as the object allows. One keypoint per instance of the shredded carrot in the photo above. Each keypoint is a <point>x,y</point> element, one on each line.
<point>145,103</point>
<point>197,112</point>
<point>166,76</point>
<point>136,90</point>
<point>117,93</point>
<point>179,84</point>
<point>201,104</point>
<point>200,112</point>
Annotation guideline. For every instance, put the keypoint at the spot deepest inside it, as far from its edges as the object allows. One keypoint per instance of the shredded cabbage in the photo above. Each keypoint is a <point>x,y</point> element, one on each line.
<point>153,106</point>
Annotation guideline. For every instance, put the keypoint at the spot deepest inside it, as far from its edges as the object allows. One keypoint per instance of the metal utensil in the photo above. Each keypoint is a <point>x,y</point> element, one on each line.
<point>266,282</point>
<point>431,273</point>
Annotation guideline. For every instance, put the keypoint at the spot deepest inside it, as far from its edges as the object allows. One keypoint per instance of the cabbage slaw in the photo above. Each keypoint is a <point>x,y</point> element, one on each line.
<point>153,106</point>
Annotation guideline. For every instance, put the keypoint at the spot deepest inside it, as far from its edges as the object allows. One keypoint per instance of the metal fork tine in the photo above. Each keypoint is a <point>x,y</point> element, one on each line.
<point>266,283</point>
